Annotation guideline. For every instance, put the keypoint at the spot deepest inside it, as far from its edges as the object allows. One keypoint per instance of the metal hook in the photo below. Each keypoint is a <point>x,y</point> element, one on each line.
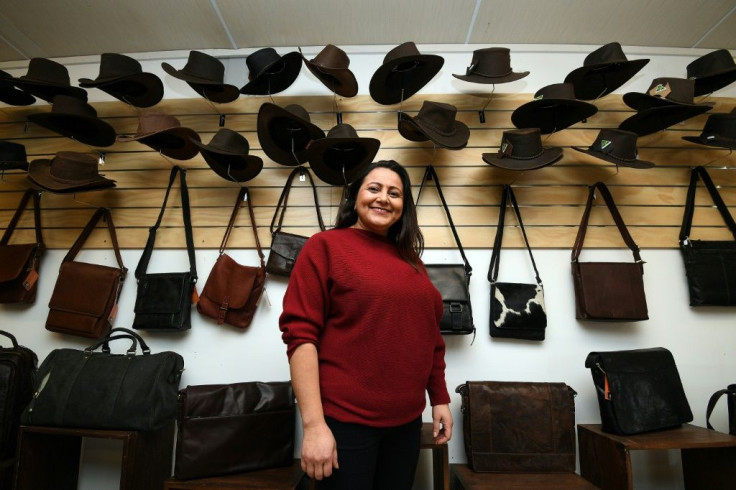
<point>268,90</point>
<point>166,158</point>
<point>482,112</point>
<point>336,106</point>
<point>518,176</point>
<point>130,104</point>
<point>293,152</point>
<point>434,152</point>
<point>344,177</point>
<point>730,151</point>
<point>401,103</point>
<point>609,177</point>
<point>212,105</point>
<point>240,184</point>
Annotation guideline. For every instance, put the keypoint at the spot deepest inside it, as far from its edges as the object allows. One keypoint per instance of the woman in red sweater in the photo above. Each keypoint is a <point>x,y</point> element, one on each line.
<point>361,324</point>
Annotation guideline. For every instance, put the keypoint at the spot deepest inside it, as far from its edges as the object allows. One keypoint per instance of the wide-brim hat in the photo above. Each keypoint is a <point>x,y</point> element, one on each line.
<point>521,149</point>
<point>269,73</point>
<point>46,79</point>
<point>719,131</point>
<point>656,119</point>
<point>491,65</point>
<point>554,108</point>
<point>663,92</point>
<point>205,74</point>
<point>330,66</point>
<point>123,77</point>
<point>68,171</point>
<point>341,155</point>
<point>603,71</point>
<point>164,133</point>
<point>12,95</point>
<point>286,132</point>
<point>616,146</point>
<point>227,154</point>
<point>435,121</point>
<point>74,118</point>
<point>12,156</point>
<point>403,73</point>
<point>712,71</point>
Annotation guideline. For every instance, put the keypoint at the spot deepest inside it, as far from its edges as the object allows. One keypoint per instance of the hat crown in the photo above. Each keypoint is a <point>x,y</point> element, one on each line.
<point>720,125</point>
<point>556,91</point>
<point>229,141</point>
<point>332,57</point>
<point>12,152</point>
<point>68,105</point>
<point>608,53</point>
<point>114,65</point>
<point>202,65</point>
<point>343,130</point>
<point>438,115</point>
<point>522,144</point>
<point>491,62</point>
<point>298,111</point>
<point>617,143</point>
<point>403,50</point>
<point>70,166</point>
<point>711,63</point>
<point>154,122</point>
<point>260,61</point>
<point>681,90</point>
<point>47,71</point>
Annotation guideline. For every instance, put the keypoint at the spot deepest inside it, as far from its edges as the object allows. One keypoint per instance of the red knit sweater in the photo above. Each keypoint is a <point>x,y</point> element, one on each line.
<point>375,322</point>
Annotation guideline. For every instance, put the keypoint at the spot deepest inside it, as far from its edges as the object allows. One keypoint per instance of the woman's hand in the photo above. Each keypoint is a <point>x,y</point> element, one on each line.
<point>442,423</point>
<point>319,451</point>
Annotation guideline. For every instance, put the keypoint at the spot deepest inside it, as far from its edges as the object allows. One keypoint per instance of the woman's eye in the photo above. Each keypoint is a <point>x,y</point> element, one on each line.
<point>395,195</point>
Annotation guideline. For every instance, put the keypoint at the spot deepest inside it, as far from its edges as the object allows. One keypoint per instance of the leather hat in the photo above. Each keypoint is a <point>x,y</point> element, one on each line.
<point>205,74</point>
<point>521,149</point>
<point>719,131</point>
<point>227,155</point>
<point>12,95</point>
<point>68,172</point>
<point>12,156</point>
<point>491,65</point>
<point>123,77</point>
<point>712,71</point>
<point>435,121</point>
<point>74,118</point>
<point>46,79</point>
<point>269,73</point>
<point>616,146</point>
<point>554,108</point>
<point>286,132</point>
<point>164,133</point>
<point>341,155</point>
<point>331,67</point>
<point>603,71</point>
<point>403,73</point>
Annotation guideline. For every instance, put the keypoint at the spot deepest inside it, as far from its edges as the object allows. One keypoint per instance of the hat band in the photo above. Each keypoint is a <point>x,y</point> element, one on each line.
<point>471,72</point>
<point>516,157</point>
<point>405,67</point>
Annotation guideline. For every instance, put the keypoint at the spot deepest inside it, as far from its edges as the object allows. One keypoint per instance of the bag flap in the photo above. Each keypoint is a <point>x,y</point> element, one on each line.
<point>164,293</point>
<point>287,245</point>
<point>635,361</point>
<point>450,280</point>
<point>84,288</point>
<point>519,299</point>
<point>13,259</point>
<point>232,280</point>
<point>236,399</point>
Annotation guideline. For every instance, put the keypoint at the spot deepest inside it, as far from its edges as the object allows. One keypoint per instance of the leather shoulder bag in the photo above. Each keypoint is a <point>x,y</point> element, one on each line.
<point>285,247</point>
<point>517,309</point>
<point>19,263</point>
<point>164,300</point>
<point>232,291</point>
<point>85,298</point>
<point>17,373</point>
<point>608,290</point>
<point>710,265</point>
<point>452,280</point>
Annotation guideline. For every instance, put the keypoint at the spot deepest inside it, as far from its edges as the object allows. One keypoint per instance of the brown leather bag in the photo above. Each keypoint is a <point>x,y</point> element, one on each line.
<point>232,291</point>
<point>84,301</point>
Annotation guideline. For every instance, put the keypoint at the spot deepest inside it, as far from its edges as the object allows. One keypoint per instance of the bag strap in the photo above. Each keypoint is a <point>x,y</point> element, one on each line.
<point>30,193</point>
<point>11,337</point>
<point>431,174</point>
<point>105,214</point>
<point>130,334</point>
<point>712,404</point>
<point>687,218</point>
<point>496,254</point>
<point>616,218</point>
<point>148,250</point>
<point>243,195</point>
<point>281,205</point>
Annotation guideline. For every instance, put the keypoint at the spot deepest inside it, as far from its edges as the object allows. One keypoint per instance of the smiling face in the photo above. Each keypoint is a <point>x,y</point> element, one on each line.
<point>380,201</point>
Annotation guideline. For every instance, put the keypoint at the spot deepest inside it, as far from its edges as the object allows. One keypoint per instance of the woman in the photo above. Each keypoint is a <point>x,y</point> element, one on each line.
<point>361,322</point>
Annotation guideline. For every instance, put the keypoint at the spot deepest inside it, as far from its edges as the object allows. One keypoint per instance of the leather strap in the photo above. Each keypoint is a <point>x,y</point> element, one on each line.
<point>687,218</point>
<point>283,199</point>
<point>243,195</point>
<point>712,404</point>
<point>30,193</point>
<point>103,213</point>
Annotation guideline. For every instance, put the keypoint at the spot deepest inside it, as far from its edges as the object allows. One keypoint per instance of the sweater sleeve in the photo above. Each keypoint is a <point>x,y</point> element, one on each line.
<point>437,386</point>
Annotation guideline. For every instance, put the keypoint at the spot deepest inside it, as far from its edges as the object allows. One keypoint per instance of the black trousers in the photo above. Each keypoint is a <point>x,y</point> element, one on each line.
<point>373,458</point>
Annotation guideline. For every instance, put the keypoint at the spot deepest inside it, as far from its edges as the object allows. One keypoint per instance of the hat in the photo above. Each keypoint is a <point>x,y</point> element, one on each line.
<point>11,95</point>
<point>330,66</point>
<point>712,71</point>
<point>46,79</point>
<point>227,155</point>
<point>164,133</point>
<point>341,155</point>
<point>719,131</point>
<point>616,146</point>
<point>554,108</point>
<point>68,171</point>
<point>269,73</point>
<point>122,77</point>
<point>205,74</point>
<point>664,92</point>
<point>521,149</point>
<point>435,121</point>
<point>603,71</point>
<point>403,73</point>
<point>12,156</point>
<point>74,118</point>
<point>657,118</point>
<point>282,131</point>
<point>491,65</point>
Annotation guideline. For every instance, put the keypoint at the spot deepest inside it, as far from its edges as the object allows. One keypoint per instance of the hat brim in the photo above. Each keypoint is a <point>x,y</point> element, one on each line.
<point>13,165</point>
<point>642,102</point>
<point>550,115</point>
<point>387,85</point>
<point>658,118</point>
<point>39,172</point>
<point>139,89</point>
<point>473,78</point>
<point>265,83</point>
<point>88,130</point>
<point>328,160</point>
<point>235,168</point>
<point>548,157</point>
<point>715,81</point>
<point>715,140</point>
<point>595,81</point>
<point>342,81</point>
<point>173,142</point>
<point>636,163</point>
<point>277,128</point>
<point>12,95</point>
<point>219,93</point>
<point>415,129</point>
<point>47,91</point>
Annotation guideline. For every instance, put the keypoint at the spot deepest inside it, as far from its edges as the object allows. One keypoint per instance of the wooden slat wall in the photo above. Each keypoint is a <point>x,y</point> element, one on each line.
<point>552,198</point>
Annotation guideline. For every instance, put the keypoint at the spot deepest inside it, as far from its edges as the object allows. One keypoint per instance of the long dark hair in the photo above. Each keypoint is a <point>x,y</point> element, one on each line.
<point>405,232</point>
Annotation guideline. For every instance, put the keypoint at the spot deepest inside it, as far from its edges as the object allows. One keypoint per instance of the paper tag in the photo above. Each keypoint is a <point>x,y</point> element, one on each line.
<point>264,298</point>
<point>606,388</point>
<point>195,295</point>
<point>660,90</point>
<point>113,313</point>
<point>30,280</point>
<point>505,150</point>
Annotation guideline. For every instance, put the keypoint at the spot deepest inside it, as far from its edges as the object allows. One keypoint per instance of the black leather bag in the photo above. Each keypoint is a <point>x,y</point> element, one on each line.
<point>710,265</point>
<point>101,390</point>
<point>730,393</point>
<point>233,428</point>
<point>638,390</point>
<point>452,280</point>
<point>18,366</point>
<point>164,300</point>
<point>517,309</point>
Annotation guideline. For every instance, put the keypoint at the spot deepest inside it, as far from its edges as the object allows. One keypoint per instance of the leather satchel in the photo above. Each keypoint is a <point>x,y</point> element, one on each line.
<point>164,300</point>
<point>710,265</point>
<point>285,247</point>
<point>19,263</point>
<point>517,309</point>
<point>232,291</point>
<point>608,290</point>
<point>452,280</point>
<point>17,373</point>
<point>101,390</point>
<point>85,298</point>
<point>233,428</point>
<point>518,426</point>
<point>638,390</point>
<point>730,393</point>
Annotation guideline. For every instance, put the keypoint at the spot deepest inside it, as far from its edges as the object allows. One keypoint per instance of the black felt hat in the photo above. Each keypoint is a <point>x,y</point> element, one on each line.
<point>74,118</point>
<point>554,108</point>
<point>603,71</point>
<point>123,77</point>
<point>435,121</point>
<point>12,156</point>
<point>12,95</point>
<point>205,74</point>
<point>286,132</point>
<point>712,71</point>
<point>719,131</point>
<point>270,73</point>
<point>164,133</point>
<point>491,65</point>
<point>227,155</point>
<point>521,149</point>
<point>403,73</point>
<point>616,146</point>
<point>46,79</point>
<point>341,155</point>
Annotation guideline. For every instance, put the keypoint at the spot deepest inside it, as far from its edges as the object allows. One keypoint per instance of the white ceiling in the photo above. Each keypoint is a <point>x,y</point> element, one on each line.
<point>62,28</point>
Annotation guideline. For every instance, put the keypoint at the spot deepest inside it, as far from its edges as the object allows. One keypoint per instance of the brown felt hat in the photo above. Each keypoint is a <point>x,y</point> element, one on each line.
<point>75,118</point>
<point>68,172</point>
<point>603,71</point>
<point>712,71</point>
<point>205,74</point>
<point>435,121</point>
<point>491,65</point>
<point>123,77</point>
<point>285,133</point>
<point>521,149</point>
<point>164,133</point>
<point>616,146</point>
<point>227,155</point>
<point>331,67</point>
<point>341,155</point>
<point>403,73</point>
<point>554,108</point>
<point>46,79</point>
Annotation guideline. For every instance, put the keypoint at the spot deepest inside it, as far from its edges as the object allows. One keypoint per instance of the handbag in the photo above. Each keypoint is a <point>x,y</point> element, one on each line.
<point>710,265</point>
<point>19,263</point>
<point>231,292</point>
<point>85,297</point>
<point>638,390</point>
<point>101,390</point>
<point>232,428</point>
<point>730,393</point>
<point>452,280</point>
<point>17,372</point>
<point>164,300</point>
<point>517,309</point>
<point>608,290</point>
<point>511,426</point>
<point>285,247</point>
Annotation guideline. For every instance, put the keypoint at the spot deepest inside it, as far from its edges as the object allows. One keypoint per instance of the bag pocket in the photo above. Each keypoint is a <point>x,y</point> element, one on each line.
<point>163,301</point>
<point>285,248</point>
<point>517,311</point>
